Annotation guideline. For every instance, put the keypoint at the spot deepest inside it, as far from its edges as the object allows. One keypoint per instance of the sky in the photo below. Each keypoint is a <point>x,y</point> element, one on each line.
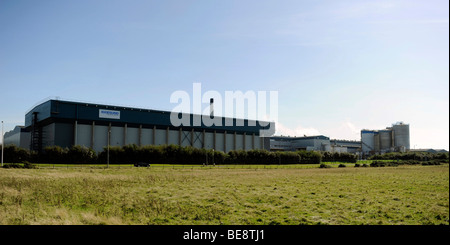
<point>338,66</point>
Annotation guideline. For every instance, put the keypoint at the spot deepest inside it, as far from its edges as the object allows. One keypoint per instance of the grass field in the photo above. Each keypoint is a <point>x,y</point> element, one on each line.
<point>390,195</point>
<point>192,166</point>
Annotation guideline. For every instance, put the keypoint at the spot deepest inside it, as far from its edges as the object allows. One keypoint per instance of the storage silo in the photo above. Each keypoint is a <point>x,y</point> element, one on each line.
<point>367,140</point>
<point>376,142</point>
<point>385,139</point>
<point>401,135</point>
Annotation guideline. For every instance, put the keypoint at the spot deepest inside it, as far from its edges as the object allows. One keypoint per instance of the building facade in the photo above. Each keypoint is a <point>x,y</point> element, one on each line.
<point>68,123</point>
<point>313,143</point>
<point>19,136</point>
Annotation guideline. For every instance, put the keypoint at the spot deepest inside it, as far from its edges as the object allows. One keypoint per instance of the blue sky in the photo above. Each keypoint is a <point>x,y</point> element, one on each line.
<point>338,66</point>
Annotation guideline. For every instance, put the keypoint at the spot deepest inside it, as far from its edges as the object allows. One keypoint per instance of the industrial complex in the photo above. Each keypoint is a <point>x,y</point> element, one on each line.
<point>68,123</point>
<point>391,139</point>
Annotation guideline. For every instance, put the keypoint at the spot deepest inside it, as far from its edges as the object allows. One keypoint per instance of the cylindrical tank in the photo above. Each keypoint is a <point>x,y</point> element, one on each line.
<point>376,142</point>
<point>385,140</point>
<point>401,135</point>
<point>367,140</point>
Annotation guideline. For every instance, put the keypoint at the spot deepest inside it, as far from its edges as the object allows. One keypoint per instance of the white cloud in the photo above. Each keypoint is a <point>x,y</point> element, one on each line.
<point>297,131</point>
<point>345,130</point>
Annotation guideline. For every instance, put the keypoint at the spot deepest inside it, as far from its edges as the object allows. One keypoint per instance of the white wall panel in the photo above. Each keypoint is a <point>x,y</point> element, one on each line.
<point>117,134</point>
<point>219,142</point>
<point>160,137</point>
<point>239,142</point>
<point>209,140</point>
<point>84,134</point>
<point>230,141</point>
<point>100,137</point>
<point>173,137</point>
<point>132,136</point>
<point>248,142</point>
<point>147,136</point>
<point>257,142</point>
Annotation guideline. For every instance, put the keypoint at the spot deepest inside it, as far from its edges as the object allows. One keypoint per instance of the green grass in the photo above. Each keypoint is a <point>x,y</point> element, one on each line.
<point>390,195</point>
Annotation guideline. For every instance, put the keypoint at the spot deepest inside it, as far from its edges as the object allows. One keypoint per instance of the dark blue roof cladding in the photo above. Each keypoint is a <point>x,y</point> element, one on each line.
<point>43,111</point>
<point>90,112</point>
<point>368,132</point>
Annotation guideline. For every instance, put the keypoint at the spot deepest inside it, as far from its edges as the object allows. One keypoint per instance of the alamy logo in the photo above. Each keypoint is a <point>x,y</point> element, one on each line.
<point>257,105</point>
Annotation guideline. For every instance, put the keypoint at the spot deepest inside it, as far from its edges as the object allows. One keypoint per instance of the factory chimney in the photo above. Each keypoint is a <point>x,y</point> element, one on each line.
<point>211,107</point>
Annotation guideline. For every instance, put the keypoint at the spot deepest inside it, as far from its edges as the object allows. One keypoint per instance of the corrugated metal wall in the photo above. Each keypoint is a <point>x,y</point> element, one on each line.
<point>96,137</point>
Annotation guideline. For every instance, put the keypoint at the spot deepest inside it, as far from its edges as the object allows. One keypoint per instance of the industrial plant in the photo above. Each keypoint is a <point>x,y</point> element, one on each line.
<point>69,123</point>
<point>391,139</point>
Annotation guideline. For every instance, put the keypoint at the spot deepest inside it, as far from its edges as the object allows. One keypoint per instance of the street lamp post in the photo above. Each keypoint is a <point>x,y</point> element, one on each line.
<point>3,143</point>
<point>107,154</point>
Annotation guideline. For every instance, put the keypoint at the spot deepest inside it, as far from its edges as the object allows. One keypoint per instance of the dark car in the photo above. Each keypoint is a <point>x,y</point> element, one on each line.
<point>142,164</point>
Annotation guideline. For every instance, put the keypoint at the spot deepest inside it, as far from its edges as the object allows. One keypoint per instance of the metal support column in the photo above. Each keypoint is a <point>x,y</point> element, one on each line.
<point>167,136</point>
<point>125,129</point>
<point>203,143</point>
<point>92,134</point>
<point>154,135</point>
<point>253,141</point>
<point>75,133</point>
<point>225,141</point>
<point>140,135</point>
<point>214,144</point>
<point>234,141</point>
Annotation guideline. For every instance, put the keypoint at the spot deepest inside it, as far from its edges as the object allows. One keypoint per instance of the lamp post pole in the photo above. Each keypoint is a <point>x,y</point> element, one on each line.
<point>3,143</point>
<point>107,155</point>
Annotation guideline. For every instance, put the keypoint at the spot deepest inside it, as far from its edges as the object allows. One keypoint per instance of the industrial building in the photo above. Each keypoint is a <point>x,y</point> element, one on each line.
<point>391,139</point>
<point>313,143</point>
<point>350,146</point>
<point>19,136</point>
<point>68,123</point>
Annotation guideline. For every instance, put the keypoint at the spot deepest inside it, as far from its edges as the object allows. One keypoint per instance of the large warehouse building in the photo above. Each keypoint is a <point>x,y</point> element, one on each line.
<point>68,123</point>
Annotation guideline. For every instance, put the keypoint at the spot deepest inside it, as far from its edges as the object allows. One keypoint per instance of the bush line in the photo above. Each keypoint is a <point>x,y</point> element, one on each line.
<point>174,154</point>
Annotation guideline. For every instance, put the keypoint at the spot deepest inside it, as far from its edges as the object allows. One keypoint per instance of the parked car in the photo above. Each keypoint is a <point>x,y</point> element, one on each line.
<point>142,164</point>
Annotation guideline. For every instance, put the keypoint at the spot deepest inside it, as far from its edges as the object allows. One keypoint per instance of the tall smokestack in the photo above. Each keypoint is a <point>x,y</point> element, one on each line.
<point>211,107</point>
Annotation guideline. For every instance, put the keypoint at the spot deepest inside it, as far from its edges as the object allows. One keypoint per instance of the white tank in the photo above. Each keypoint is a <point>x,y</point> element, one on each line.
<point>385,139</point>
<point>376,142</point>
<point>401,135</point>
<point>367,140</point>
